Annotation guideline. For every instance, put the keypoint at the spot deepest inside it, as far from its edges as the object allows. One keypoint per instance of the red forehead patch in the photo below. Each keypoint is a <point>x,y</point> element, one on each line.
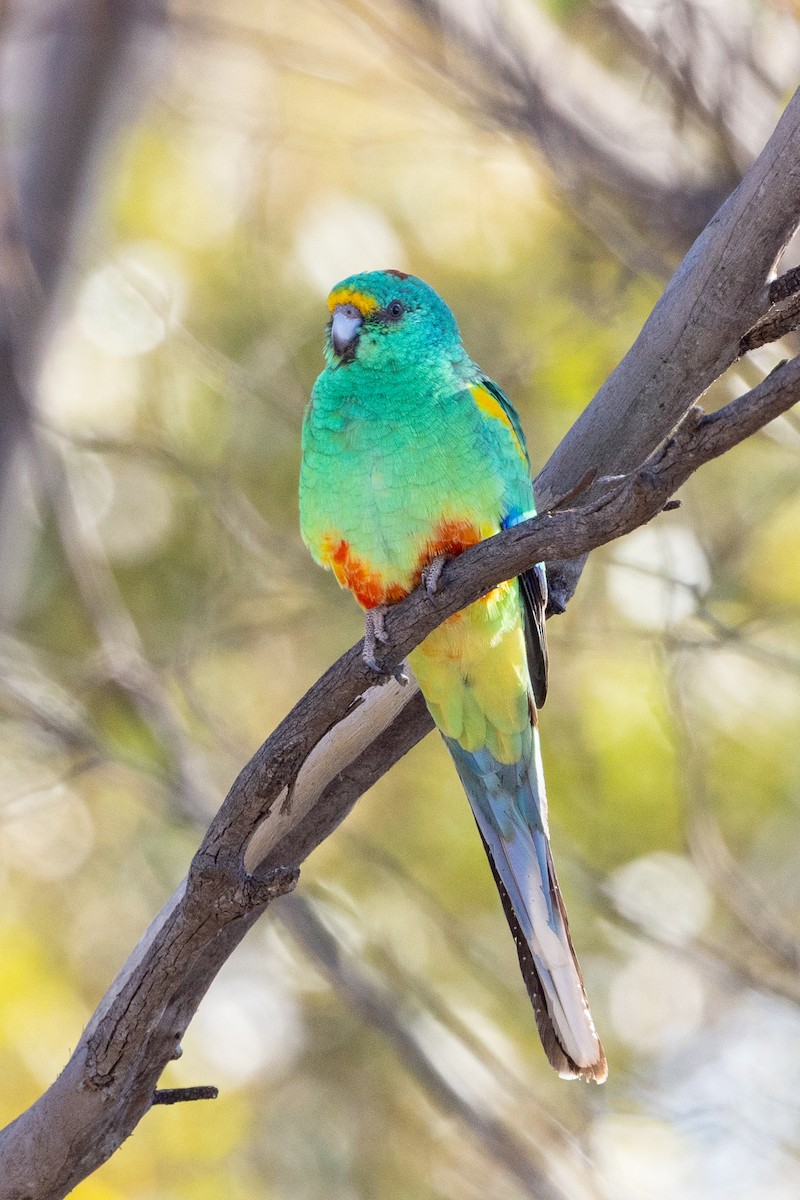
<point>397,274</point>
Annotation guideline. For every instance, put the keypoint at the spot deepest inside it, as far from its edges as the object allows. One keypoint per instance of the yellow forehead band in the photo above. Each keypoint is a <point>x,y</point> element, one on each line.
<point>364,303</point>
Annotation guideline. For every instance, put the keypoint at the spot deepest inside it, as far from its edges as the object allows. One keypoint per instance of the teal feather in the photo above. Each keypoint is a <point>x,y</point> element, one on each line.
<point>410,452</point>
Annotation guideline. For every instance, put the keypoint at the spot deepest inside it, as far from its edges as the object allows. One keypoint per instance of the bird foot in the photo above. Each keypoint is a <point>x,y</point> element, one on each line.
<point>432,573</point>
<point>375,635</point>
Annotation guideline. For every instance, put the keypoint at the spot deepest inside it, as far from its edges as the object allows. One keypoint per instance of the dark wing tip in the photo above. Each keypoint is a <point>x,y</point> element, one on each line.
<point>533,590</point>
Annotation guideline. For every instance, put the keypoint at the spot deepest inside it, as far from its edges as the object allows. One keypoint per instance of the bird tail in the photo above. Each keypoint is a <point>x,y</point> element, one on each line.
<point>510,807</point>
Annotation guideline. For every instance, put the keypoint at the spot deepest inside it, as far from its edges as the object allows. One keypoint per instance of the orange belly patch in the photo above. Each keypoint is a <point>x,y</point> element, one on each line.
<point>366,584</point>
<point>450,538</point>
<point>370,587</point>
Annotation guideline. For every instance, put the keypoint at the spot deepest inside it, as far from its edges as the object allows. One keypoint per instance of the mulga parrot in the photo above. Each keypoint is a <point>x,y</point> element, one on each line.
<point>411,455</point>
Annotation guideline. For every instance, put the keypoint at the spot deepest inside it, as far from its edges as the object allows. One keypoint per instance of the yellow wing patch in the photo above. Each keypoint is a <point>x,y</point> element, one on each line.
<point>490,405</point>
<point>364,303</point>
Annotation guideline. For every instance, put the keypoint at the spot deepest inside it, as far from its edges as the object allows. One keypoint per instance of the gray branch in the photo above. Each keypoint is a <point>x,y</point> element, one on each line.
<point>347,731</point>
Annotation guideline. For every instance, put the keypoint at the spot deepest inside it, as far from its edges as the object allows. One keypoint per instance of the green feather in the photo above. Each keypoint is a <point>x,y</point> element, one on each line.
<point>410,452</point>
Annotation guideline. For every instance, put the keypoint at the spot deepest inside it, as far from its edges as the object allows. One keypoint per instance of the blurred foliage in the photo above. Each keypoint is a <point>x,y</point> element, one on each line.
<point>283,147</point>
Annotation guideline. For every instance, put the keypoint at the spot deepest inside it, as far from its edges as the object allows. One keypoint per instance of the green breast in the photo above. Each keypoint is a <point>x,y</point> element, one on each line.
<point>383,469</point>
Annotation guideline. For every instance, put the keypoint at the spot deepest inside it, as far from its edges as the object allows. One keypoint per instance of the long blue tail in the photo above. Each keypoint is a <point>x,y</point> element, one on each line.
<point>510,807</point>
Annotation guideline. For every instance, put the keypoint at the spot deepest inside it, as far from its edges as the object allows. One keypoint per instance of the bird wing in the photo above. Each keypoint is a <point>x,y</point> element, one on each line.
<point>533,583</point>
<point>533,589</point>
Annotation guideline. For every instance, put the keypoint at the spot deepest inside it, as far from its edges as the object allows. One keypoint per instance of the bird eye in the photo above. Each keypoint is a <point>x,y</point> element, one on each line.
<point>395,310</point>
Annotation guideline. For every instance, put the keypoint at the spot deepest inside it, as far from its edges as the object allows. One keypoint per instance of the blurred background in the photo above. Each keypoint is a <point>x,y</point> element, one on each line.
<point>182,183</point>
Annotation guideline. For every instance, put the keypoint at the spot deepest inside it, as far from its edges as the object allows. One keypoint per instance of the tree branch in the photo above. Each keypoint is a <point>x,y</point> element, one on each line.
<point>347,731</point>
<point>182,1095</point>
<point>694,333</point>
<point>317,753</point>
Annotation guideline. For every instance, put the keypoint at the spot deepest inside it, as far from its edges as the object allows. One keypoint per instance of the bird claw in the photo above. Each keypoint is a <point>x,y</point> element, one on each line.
<point>432,573</point>
<point>374,635</point>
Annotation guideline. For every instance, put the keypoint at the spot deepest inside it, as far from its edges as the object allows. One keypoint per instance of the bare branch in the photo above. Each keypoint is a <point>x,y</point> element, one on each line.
<point>347,731</point>
<point>693,334</point>
<point>783,318</point>
<point>182,1095</point>
<point>317,752</point>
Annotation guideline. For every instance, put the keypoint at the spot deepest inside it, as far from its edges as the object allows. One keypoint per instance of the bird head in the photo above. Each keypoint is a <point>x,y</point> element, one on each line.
<point>387,320</point>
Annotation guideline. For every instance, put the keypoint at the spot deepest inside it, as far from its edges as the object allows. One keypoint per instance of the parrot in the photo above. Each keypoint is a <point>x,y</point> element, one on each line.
<point>410,455</point>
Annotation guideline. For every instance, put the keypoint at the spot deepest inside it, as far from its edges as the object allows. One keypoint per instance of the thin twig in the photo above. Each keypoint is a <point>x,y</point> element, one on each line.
<point>719,291</point>
<point>184,1094</point>
<point>143,1017</point>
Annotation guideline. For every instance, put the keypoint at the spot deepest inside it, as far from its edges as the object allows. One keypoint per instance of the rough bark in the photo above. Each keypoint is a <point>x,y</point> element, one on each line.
<point>307,775</point>
<point>110,1081</point>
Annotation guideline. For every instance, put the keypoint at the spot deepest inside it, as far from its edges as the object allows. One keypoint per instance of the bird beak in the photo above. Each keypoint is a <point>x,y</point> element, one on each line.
<point>345,326</point>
